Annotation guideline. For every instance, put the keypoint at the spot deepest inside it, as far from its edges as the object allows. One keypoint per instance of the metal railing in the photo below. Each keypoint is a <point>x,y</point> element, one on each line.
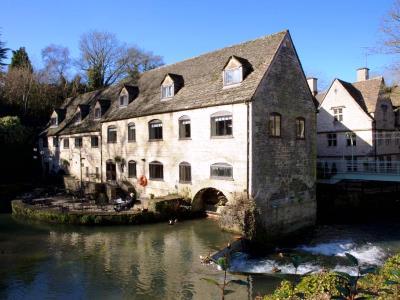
<point>336,168</point>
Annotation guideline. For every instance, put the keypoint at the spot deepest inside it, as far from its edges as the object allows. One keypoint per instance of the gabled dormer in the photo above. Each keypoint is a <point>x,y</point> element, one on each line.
<point>127,94</point>
<point>81,112</point>
<point>170,86</point>
<point>100,108</point>
<point>235,70</point>
<point>57,117</point>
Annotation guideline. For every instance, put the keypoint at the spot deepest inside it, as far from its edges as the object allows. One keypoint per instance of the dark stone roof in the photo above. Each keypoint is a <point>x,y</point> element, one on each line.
<point>199,78</point>
<point>203,82</point>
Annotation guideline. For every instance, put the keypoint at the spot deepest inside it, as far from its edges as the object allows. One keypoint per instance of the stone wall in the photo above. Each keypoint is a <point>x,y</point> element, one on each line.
<point>283,169</point>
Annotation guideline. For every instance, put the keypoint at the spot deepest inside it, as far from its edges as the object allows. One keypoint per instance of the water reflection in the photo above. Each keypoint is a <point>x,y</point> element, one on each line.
<point>136,262</point>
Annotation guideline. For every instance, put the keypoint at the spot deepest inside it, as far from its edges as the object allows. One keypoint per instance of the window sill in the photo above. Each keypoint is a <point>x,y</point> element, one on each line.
<point>132,141</point>
<point>185,182</point>
<point>66,148</point>
<point>185,139</point>
<point>222,137</point>
<point>157,179</point>
<point>231,85</point>
<point>95,146</point>
<point>132,177</point>
<point>112,142</point>
<point>222,178</point>
<point>156,140</point>
<point>275,136</point>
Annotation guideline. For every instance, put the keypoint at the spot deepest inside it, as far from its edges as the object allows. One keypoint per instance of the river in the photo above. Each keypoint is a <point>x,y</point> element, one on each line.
<point>41,261</point>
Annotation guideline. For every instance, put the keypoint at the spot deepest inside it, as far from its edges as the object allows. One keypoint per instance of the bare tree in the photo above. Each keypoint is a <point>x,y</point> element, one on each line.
<point>106,60</point>
<point>56,61</point>
<point>19,84</point>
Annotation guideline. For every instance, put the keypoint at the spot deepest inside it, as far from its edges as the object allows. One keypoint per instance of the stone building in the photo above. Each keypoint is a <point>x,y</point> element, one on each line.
<point>358,122</point>
<point>237,120</point>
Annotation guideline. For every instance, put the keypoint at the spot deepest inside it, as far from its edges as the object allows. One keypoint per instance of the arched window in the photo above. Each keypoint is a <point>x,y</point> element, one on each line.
<point>221,171</point>
<point>97,113</point>
<point>131,169</point>
<point>131,132</point>
<point>111,134</point>
<point>156,170</point>
<point>54,121</point>
<point>300,128</point>
<point>78,117</point>
<point>184,127</point>
<point>185,172</point>
<point>274,124</point>
<point>221,124</point>
<point>111,171</point>
<point>155,130</point>
<point>233,72</point>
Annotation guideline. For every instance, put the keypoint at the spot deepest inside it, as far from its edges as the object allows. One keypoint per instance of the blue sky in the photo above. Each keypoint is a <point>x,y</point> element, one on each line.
<point>330,36</point>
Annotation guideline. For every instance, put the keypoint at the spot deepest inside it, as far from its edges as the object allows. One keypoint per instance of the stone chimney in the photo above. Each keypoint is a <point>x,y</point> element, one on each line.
<point>312,83</point>
<point>362,74</point>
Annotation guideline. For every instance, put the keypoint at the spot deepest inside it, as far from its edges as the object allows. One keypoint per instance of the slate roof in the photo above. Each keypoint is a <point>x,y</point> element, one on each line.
<point>203,82</point>
<point>202,86</point>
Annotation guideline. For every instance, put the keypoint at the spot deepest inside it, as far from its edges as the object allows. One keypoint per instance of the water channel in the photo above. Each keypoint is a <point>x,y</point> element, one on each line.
<point>41,261</point>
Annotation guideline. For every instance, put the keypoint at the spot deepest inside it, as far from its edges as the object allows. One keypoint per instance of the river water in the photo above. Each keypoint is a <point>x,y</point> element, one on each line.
<point>40,261</point>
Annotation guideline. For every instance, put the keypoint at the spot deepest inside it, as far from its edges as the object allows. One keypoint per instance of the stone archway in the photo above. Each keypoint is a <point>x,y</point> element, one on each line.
<point>208,199</point>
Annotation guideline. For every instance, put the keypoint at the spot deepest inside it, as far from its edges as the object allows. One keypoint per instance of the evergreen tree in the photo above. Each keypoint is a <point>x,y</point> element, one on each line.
<point>3,53</point>
<point>20,59</point>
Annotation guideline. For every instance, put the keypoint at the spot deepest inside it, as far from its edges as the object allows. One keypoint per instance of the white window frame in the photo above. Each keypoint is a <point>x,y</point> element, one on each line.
<point>234,80</point>
<point>167,91</point>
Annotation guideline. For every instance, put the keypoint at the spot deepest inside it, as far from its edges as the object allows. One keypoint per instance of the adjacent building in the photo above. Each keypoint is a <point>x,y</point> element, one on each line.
<point>358,124</point>
<point>237,120</point>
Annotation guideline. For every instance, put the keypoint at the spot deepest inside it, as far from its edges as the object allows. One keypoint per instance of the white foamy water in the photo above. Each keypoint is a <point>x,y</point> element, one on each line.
<point>367,254</point>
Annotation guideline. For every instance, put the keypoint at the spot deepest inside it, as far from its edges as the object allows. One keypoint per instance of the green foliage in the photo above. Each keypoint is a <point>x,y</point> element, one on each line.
<point>283,292</point>
<point>12,132</point>
<point>20,59</point>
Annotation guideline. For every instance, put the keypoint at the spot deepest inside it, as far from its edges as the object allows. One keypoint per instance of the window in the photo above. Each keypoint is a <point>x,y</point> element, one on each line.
<point>185,172</point>
<point>274,125</point>
<point>55,141</point>
<point>97,113</point>
<point>233,76</point>
<point>111,134</point>
<point>78,142</point>
<point>388,138</point>
<point>300,128</point>
<point>167,91</point>
<point>78,117</point>
<point>87,171</point>
<point>155,130</point>
<point>45,142</point>
<point>131,132</point>
<point>351,140</point>
<point>184,127</point>
<point>94,141</point>
<point>337,114</point>
<point>66,143</point>
<point>111,171</point>
<point>97,173</point>
<point>156,170</point>
<point>221,171</point>
<point>332,139</point>
<point>53,122</point>
<point>384,108</point>
<point>131,169</point>
<point>221,124</point>
<point>123,100</point>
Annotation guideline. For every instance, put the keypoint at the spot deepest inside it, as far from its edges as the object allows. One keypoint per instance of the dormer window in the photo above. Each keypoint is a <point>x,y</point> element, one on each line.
<point>233,72</point>
<point>233,76</point>
<point>97,113</point>
<point>167,91</point>
<point>53,122</point>
<point>78,117</point>
<point>123,100</point>
<point>171,85</point>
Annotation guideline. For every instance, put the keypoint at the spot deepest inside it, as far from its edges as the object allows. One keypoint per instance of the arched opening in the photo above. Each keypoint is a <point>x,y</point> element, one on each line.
<point>208,199</point>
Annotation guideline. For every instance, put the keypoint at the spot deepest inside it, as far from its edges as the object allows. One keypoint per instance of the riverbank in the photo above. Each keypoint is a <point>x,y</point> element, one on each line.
<point>159,210</point>
<point>369,283</point>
